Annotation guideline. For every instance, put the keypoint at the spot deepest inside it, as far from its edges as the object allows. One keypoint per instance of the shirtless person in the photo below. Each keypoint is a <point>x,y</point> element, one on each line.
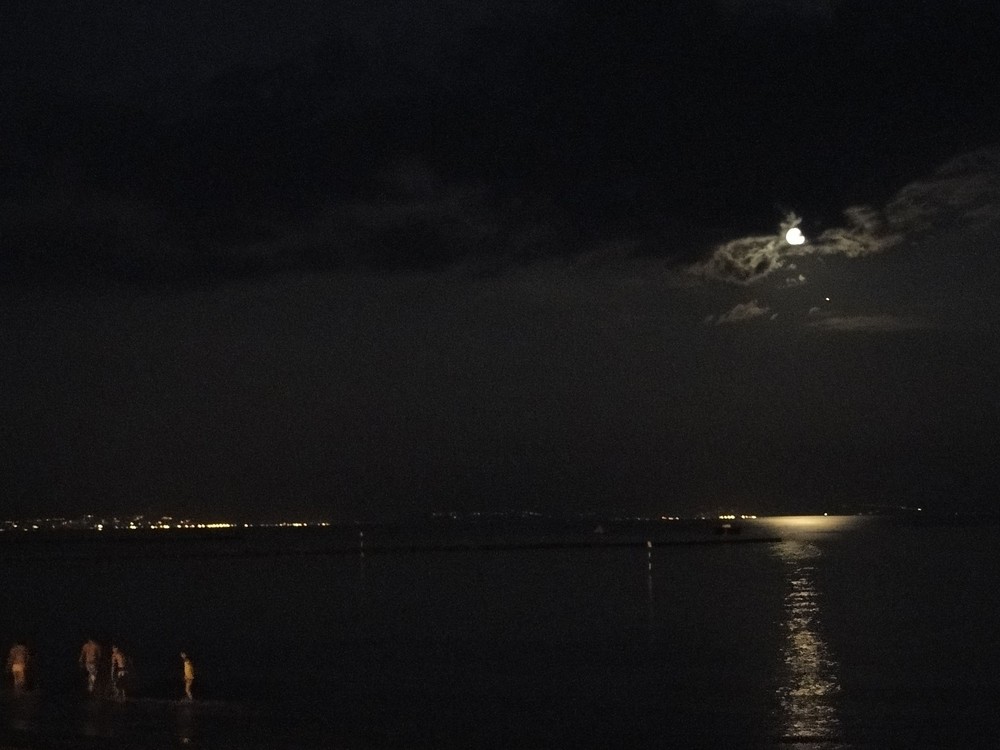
<point>118,673</point>
<point>90,657</point>
<point>17,663</point>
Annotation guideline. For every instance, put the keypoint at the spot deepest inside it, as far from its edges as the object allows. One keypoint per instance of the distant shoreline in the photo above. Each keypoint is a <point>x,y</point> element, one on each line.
<point>445,536</point>
<point>84,545</point>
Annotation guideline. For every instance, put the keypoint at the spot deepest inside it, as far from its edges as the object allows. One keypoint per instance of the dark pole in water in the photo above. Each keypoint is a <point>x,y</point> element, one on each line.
<point>649,588</point>
<point>361,557</point>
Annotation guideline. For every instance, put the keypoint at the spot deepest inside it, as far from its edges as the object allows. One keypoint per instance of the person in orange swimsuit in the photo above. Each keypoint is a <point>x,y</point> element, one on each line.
<point>17,664</point>
<point>188,676</point>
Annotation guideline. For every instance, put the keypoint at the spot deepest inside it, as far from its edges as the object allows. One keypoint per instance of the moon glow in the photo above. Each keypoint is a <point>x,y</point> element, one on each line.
<point>794,236</point>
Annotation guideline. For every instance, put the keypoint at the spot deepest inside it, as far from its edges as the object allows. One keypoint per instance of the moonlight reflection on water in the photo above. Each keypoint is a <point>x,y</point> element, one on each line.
<point>809,686</point>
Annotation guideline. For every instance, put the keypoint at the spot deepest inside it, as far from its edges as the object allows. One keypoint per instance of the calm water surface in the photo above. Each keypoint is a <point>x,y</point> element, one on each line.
<point>865,635</point>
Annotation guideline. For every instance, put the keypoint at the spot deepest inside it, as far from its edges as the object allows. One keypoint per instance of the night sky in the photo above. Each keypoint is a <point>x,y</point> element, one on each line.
<point>362,260</point>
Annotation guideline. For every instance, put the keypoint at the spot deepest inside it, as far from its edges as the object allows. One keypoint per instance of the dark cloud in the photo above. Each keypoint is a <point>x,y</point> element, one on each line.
<point>770,12</point>
<point>965,190</point>
<point>884,323</point>
<point>740,312</point>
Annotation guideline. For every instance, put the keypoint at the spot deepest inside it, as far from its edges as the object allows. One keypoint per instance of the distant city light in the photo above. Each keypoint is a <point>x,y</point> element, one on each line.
<point>90,522</point>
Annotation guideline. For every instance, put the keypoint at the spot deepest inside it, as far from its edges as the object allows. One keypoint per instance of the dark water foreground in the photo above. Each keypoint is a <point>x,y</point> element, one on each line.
<point>880,633</point>
<point>39,720</point>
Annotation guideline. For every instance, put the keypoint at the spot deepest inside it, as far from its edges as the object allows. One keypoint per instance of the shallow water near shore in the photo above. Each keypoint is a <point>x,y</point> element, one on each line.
<point>862,634</point>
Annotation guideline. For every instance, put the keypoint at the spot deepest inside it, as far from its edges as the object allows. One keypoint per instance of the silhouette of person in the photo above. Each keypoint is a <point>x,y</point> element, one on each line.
<point>188,676</point>
<point>118,672</point>
<point>90,657</point>
<point>17,663</point>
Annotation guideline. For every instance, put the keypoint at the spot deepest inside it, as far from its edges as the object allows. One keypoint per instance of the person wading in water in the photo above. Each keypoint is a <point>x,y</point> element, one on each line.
<point>188,676</point>
<point>90,657</point>
<point>118,673</point>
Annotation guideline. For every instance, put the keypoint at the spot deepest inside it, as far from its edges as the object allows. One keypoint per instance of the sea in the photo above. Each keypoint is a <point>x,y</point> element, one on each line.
<point>812,632</point>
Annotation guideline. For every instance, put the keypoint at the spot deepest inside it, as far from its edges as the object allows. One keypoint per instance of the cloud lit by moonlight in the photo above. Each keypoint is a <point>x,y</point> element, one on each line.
<point>964,190</point>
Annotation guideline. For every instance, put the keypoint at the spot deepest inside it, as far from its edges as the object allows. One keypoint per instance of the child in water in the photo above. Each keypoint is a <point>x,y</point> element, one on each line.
<point>188,676</point>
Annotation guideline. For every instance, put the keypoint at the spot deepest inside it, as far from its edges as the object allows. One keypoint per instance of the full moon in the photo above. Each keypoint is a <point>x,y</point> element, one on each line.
<point>794,236</point>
